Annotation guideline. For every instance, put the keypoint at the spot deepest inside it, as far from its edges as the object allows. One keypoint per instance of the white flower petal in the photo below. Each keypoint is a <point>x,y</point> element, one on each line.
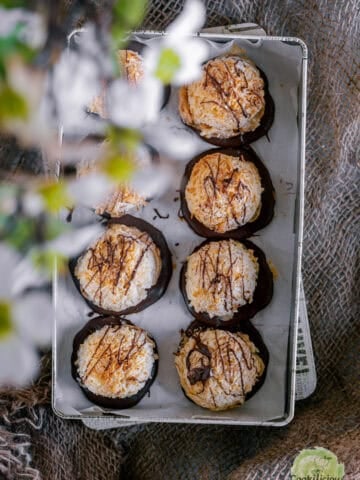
<point>180,144</point>
<point>25,275</point>
<point>72,243</point>
<point>133,106</point>
<point>190,20</point>
<point>90,189</point>
<point>75,83</point>
<point>152,181</point>
<point>9,260</point>
<point>193,52</point>
<point>33,204</point>
<point>19,362</point>
<point>33,32</point>
<point>33,315</point>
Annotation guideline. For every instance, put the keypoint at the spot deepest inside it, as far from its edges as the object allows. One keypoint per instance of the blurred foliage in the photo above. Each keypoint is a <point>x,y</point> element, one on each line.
<point>19,232</point>
<point>6,325</point>
<point>22,232</point>
<point>119,167</point>
<point>168,64</point>
<point>13,3</point>
<point>55,196</point>
<point>46,260</point>
<point>12,104</point>
<point>127,15</point>
<point>12,44</point>
<point>127,138</point>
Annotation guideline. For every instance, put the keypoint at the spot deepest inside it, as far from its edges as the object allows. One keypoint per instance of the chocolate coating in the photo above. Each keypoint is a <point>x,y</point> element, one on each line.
<point>107,402</point>
<point>261,298</point>
<point>267,197</point>
<point>157,290</point>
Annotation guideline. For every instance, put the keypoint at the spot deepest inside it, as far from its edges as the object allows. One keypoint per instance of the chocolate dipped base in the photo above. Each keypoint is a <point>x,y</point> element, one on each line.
<point>202,374</point>
<point>157,290</point>
<point>108,402</point>
<point>261,297</point>
<point>247,137</point>
<point>267,197</point>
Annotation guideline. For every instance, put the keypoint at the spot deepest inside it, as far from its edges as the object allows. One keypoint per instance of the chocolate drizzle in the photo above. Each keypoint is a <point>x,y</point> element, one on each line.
<point>225,95</point>
<point>210,273</point>
<point>226,359</point>
<point>114,358</point>
<point>210,190</point>
<point>101,262</point>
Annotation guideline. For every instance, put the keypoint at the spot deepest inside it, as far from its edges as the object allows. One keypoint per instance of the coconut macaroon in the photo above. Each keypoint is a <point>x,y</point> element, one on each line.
<point>116,273</point>
<point>218,369</point>
<point>224,192</point>
<point>227,192</point>
<point>221,277</point>
<point>114,362</point>
<point>224,282</point>
<point>122,200</point>
<point>229,100</point>
<point>131,65</point>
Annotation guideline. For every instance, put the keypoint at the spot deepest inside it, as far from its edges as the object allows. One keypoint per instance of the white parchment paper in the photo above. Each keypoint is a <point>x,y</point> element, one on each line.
<point>282,64</point>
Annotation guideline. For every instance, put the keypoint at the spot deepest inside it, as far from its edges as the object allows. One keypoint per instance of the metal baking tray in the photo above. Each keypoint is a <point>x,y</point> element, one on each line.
<point>287,57</point>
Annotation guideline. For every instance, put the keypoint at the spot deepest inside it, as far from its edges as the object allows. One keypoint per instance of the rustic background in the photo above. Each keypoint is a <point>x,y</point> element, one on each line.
<point>34,443</point>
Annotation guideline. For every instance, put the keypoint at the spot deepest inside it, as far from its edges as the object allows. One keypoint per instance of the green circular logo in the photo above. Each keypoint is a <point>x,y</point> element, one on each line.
<point>317,464</point>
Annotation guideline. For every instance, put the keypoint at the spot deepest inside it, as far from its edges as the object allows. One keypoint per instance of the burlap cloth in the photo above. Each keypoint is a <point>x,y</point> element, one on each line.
<point>34,443</point>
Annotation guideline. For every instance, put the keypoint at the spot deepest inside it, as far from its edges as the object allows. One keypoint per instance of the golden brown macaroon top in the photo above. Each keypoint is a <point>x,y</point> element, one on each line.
<point>224,192</point>
<point>221,276</point>
<point>217,368</point>
<point>117,271</point>
<point>228,100</point>
<point>116,361</point>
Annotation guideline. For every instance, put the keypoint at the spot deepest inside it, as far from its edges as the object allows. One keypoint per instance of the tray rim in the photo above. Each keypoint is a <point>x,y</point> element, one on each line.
<point>299,218</point>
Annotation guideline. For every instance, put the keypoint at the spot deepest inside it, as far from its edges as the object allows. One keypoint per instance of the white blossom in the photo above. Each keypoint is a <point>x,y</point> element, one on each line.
<point>134,105</point>
<point>73,242</point>
<point>30,317</point>
<point>90,189</point>
<point>33,31</point>
<point>191,51</point>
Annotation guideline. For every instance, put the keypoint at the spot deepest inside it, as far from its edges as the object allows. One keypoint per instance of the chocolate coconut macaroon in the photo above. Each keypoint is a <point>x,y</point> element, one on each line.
<point>230,105</point>
<point>221,369</point>
<point>225,282</point>
<point>124,271</point>
<point>227,192</point>
<point>131,68</point>
<point>114,362</point>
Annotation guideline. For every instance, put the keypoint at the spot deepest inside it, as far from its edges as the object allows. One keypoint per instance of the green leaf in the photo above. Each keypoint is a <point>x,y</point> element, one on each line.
<point>45,261</point>
<point>12,44</point>
<point>12,105</point>
<point>54,227</point>
<point>129,13</point>
<point>12,3</point>
<point>19,232</point>
<point>169,63</point>
<point>118,167</point>
<point>124,138</point>
<point>6,324</point>
<point>119,40</point>
<point>55,196</point>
